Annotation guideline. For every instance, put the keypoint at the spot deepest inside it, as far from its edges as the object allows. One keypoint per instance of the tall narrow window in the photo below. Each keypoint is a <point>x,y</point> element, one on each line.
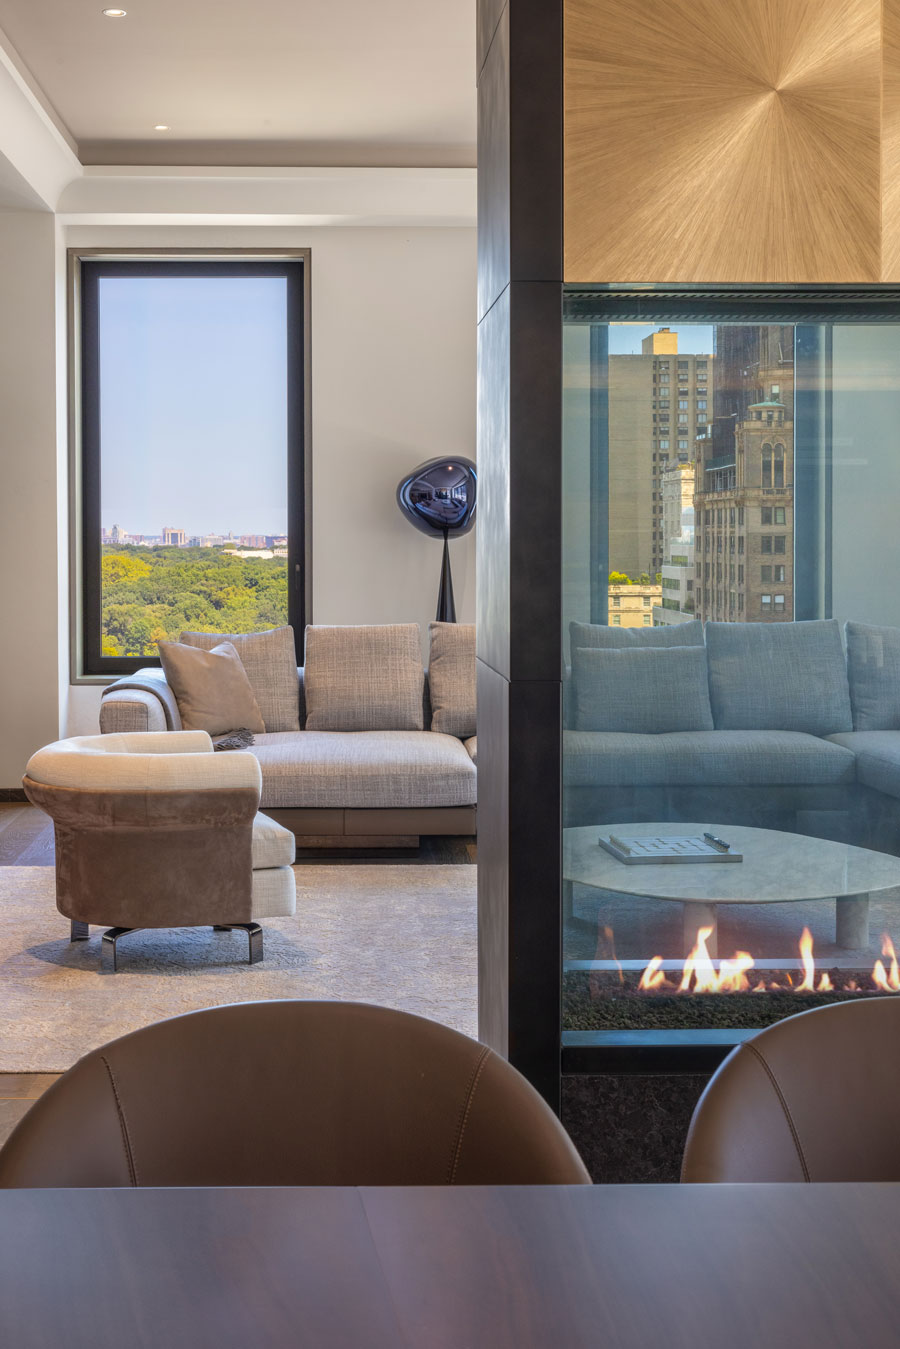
<point>779,466</point>
<point>767,465</point>
<point>192,453</point>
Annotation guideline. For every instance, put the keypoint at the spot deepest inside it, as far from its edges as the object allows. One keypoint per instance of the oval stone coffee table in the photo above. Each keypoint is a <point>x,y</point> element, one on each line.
<point>777,868</point>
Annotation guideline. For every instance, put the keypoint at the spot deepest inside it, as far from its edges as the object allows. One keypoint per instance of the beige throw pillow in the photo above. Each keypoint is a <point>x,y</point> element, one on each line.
<point>270,660</point>
<point>364,678</point>
<point>211,688</point>
<point>451,678</point>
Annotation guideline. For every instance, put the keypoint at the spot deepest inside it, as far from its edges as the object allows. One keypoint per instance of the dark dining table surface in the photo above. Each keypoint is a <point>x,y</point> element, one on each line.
<point>639,1266</point>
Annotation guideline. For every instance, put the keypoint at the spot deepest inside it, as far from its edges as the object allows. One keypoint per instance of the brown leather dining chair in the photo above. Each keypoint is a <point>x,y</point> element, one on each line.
<point>813,1098</point>
<point>290,1093</point>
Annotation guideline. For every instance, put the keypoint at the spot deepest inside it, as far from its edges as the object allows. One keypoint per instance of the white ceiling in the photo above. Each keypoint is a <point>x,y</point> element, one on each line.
<point>275,82</point>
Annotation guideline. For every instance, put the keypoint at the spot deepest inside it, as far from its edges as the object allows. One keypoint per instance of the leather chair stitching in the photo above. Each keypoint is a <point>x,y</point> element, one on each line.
<point>466,1108</point>
<point>784,1105</point>
<point>123,1123</point>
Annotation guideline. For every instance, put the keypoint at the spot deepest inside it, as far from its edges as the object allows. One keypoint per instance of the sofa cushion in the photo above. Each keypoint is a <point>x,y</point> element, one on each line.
<point>272,845</point>
<point>877,758</point>
<point>472,748</point>
<point>271,664</point>
<point>364,769</point>
<point>704,759</point>
<point>451,678</point>
<point>873,667</point>
<point>364,678</point>
<point>778,677</point>
<point>273,893</point>
<point>599,635</point>
<point>211,688</point>
<point>642,690</point>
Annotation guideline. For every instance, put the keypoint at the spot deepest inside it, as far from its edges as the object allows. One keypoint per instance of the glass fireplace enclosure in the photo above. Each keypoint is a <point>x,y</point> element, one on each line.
<point>731,649</point>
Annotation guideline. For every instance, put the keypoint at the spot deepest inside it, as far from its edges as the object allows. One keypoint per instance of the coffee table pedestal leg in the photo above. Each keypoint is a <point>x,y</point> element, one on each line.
<point>852,922</point>
<point>695,917</point>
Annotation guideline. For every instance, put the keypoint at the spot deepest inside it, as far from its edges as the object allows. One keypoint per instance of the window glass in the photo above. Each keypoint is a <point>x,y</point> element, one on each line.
<point>777,543</point>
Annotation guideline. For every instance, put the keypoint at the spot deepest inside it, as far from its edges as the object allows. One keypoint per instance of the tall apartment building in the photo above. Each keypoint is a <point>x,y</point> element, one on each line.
<point>677,600</point>
<point>745,473</point>
<point>658,402</point>
<point>173,538</point>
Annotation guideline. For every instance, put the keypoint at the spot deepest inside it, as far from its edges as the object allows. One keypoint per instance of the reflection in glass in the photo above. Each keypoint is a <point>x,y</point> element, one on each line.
<point>759,494</point>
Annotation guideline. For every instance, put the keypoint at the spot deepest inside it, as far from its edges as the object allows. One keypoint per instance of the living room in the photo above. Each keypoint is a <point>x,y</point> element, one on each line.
<point>605,303</point>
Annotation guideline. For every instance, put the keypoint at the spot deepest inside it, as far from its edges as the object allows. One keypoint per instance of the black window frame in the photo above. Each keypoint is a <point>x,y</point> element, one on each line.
<point>86,269</point>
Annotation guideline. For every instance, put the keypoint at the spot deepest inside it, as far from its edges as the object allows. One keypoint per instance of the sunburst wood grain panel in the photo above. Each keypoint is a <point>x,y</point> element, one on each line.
<point>890,131</point>
<point>717,141</point>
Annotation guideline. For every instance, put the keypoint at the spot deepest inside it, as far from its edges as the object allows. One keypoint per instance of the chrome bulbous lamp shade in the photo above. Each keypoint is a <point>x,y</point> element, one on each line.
<point>438,497</point>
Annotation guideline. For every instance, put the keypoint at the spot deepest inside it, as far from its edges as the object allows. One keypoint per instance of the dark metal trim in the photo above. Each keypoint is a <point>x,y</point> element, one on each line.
<point>86,268</point>
<point>724,304</point>
<point>629,1052</point>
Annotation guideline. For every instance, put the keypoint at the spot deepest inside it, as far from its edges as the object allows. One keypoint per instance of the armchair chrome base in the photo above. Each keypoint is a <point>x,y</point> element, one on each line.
<point>79,931</point>
<point>254,938</point>
<point>108,948</point>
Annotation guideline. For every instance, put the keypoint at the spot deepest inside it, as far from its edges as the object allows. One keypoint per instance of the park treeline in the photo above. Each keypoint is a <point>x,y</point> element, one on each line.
<point>154,594</point>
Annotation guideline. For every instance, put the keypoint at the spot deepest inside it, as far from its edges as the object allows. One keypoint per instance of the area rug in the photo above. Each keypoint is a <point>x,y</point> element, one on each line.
<point>402,936</point>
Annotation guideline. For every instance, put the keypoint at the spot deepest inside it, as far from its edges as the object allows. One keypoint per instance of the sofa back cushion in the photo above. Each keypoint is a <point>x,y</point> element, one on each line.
<point>646,691</point>
<point>211,688</point>
<point>271,664</point>
<point>364,678</point>
<point>778,677</point>
<point>451,678</point>
<point>873,667</point>
<point>599,635</point>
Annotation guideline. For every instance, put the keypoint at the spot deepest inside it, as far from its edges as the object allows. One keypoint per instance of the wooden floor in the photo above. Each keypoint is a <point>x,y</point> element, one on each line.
<point>26,840</point>
<point>26,836</point>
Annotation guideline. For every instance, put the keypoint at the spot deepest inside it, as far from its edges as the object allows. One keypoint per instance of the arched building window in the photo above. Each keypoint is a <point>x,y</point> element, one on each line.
<point>767,465</point>
<point>778,480</point>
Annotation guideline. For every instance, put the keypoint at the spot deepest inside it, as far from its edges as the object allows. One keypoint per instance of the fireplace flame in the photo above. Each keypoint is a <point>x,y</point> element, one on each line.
<point>653,976</point>
<point>888,981</point>
<point>809,965</point>
<point>699,974</point>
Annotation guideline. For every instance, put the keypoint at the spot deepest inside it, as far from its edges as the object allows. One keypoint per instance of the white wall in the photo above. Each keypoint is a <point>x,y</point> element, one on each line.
<point>393,383</point>
<point>29,577</point>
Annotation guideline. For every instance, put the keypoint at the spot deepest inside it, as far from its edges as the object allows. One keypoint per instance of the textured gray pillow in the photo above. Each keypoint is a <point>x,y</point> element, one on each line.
<point>364,678</point>
<point>271,664</point>
<point>873,666</point>
<point>599,635</point>
<point>211,688</point>
<point>451,678</point>
<point>645,690</point>
<point>778,677</point>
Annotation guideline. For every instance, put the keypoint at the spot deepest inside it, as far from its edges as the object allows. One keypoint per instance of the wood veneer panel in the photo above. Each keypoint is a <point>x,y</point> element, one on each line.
<point>711,142</point>
<point>890,146</point>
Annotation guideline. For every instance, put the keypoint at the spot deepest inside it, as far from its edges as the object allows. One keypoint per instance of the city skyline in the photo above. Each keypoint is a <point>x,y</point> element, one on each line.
<point>227,535</point>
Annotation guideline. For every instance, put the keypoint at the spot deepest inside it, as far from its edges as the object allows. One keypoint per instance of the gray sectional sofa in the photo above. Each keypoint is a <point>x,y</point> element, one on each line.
<point>362,746</point>
<point>779,725</point>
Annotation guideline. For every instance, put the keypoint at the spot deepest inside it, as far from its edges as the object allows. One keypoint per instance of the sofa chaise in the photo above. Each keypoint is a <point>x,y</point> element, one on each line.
<point>359,746</point>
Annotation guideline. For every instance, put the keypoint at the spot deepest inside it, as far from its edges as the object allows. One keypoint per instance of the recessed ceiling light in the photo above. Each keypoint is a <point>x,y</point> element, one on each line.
<point>114,13</point>
<point>160,126</point>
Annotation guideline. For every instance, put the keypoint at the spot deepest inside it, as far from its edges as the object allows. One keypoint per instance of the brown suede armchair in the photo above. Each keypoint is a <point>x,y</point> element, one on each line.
<point>157,830</point>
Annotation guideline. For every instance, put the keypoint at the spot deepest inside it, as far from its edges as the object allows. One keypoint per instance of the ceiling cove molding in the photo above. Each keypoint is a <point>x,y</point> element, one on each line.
<point>168,195</point>
<point>37,149</point>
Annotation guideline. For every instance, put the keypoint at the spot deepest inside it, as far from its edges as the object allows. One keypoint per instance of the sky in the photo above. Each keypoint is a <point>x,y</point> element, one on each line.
<point>695,339</point>
<point>193,407</point>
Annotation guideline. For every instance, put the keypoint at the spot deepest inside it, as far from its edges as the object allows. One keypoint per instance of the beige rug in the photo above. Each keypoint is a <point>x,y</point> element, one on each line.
<point>403,936</point>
